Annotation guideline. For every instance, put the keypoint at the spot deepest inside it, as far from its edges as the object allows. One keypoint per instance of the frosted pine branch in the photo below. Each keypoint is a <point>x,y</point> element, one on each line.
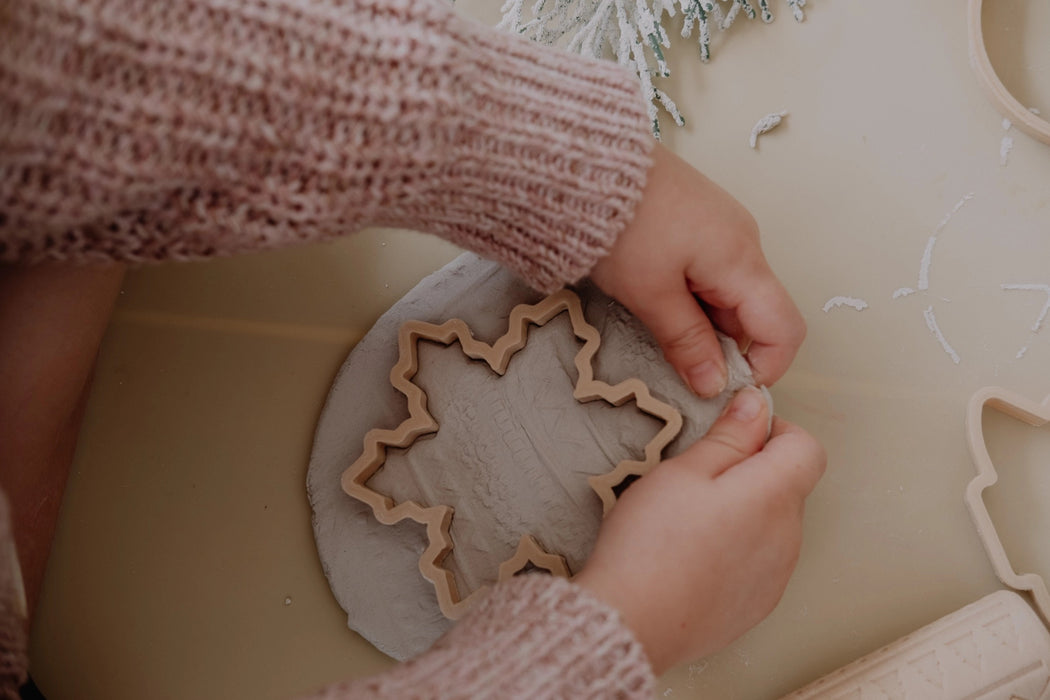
<point>632,32</point>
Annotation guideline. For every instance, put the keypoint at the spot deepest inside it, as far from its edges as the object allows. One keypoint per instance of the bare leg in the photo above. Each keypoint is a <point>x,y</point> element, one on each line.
<point>52,319</point>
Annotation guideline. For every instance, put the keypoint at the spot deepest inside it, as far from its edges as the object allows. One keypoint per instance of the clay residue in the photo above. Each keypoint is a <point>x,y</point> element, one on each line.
<point>851,302</point>
<point>765,125</point>
<point>931,323</point>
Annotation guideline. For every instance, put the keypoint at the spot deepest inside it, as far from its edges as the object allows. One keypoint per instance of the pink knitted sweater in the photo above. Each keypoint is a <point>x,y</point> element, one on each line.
<point>150,130</point>
<point>139,130</point>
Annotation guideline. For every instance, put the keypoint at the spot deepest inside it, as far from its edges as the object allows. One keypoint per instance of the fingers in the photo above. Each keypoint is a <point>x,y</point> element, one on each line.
<point>767,316</point>
<point>737,435</point>
<point>790,463</point>
<point>687,338</point>
<point>727,322</point>
<point>775,327</point>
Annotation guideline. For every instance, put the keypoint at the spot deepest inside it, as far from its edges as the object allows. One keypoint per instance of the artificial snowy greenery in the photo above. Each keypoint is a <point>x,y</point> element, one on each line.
<point>632,30</point>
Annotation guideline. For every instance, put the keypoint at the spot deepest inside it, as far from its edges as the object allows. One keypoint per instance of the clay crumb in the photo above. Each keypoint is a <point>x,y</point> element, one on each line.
<point>927,255</point>
<point>955,210</point>
<point>1005,146</point>
<point>903,292</point>
<point>765,125</point>
<point>1045,288</point>
<point>852,302</point>
<point>931,323</point>
<point>697,668</point>
<point>924,265</point>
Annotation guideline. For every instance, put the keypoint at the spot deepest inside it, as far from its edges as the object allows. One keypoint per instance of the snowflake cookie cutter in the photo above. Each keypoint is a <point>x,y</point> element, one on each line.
<point>1031,413</point>
<point>438,518</point>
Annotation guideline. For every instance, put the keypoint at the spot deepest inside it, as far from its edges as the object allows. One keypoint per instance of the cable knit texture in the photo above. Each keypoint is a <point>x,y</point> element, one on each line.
<point>13,661</point>
<point>534,636</point>
<point>139,130</point>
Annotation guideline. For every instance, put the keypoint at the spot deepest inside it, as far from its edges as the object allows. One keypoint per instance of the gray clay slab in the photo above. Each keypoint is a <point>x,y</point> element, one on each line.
<point>512,454</point>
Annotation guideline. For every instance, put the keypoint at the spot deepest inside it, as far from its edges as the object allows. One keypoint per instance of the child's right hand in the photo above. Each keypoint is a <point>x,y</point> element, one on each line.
<point>700,550</point>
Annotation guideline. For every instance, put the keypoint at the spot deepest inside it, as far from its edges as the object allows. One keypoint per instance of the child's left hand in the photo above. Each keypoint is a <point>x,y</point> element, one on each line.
<point>691,242</point>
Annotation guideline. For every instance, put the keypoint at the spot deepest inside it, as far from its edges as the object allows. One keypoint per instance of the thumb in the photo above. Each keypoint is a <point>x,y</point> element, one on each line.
<point>687,338</point>
<point>739,433</point>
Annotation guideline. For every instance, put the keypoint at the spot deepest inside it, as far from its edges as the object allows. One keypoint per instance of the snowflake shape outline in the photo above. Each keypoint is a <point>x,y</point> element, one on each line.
<point>438,518</point>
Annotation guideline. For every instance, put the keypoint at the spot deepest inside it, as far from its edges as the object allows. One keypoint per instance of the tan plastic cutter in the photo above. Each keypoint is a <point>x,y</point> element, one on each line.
<point>438,518</point>
<point>1034,414</point>
<point>1024,119</point>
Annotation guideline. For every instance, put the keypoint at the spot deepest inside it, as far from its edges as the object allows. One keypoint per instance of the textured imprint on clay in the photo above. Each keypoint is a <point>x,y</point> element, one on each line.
<point>437,518</point>
<point>619,320</point>
<point>514,451</point>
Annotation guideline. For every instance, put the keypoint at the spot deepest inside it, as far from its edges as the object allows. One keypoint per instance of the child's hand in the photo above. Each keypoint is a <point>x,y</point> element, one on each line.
<point>700,550</point>
<point>690,237</point>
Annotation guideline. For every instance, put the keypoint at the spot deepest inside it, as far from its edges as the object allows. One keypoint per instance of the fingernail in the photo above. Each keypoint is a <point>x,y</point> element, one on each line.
<point>746,405</point>
<point>707,379</point>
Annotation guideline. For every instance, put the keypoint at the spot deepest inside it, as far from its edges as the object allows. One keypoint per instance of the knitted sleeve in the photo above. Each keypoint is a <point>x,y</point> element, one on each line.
<point>535,636</point>
<point>139,130</point>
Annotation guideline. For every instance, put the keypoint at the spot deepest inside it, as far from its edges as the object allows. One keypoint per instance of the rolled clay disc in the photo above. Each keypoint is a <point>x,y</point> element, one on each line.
<point>512,454</point>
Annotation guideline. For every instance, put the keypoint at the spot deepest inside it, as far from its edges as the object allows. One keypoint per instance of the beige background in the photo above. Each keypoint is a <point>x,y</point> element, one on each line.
<point>185,566</point>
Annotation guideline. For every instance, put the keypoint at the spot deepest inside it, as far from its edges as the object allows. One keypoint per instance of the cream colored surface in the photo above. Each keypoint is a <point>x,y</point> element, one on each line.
<point>184,565</point>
